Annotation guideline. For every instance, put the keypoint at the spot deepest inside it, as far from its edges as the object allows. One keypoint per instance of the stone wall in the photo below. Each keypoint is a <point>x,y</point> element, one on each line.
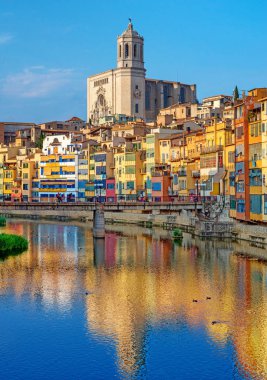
<point>257,234</point>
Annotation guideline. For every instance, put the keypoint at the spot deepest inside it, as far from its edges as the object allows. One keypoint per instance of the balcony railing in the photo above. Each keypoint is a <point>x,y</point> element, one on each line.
<point>181,173</point>
<point>160,173</point>
<point>212,149</point>
<point>196,174</point>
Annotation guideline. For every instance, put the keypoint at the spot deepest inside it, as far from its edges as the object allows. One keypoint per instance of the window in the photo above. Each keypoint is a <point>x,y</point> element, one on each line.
<point>265,204</point>
<point>120,51</point>
<point>100,170</point>
<point>255,204</point>
<point>231,157</point>
<point>232,178</point>
<point>9,174</point>
<point>25,186</point>
<point>135,50</point>
<point>240,205</point>
<point>156,186</point>
<point>126,51</point>
<point>240,186</point>
<point>136,86</point>
<point>182,184</point>
<point>130,185</point>
<point>239,132</point>
<point>232,202</point>
<point>25,175</point>
<point>100,157</point>
<point>136,108</point>
<point>255,177</point>
<point>130,169</point>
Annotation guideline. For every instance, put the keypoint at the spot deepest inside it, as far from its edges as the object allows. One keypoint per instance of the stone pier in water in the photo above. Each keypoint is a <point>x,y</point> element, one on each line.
<point>99,223</point>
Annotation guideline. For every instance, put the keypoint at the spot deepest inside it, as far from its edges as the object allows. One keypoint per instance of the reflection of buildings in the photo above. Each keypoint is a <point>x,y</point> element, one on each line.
<point>154,282</point>
<point>47,271</point>
<point>138,282</point>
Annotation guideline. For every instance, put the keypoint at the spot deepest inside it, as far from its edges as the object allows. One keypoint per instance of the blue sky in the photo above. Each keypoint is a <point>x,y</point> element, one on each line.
<point>49,47</point>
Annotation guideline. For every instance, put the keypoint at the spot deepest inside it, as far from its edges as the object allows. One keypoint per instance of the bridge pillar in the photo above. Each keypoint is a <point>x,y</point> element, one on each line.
<point>99,223</point>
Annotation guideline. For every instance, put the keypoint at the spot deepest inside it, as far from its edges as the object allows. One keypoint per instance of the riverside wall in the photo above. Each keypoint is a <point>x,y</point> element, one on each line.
<point>256,234</point>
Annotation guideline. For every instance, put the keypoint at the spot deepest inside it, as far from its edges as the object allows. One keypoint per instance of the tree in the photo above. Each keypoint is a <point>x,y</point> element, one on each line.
<point>236,93</point>
<point>39,141</point>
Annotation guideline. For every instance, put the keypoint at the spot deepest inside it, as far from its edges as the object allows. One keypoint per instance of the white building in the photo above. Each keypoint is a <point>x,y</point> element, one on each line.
<point>126,90</point>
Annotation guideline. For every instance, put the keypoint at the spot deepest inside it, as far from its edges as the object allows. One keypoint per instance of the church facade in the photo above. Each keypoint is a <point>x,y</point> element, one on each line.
<point>126,90</point>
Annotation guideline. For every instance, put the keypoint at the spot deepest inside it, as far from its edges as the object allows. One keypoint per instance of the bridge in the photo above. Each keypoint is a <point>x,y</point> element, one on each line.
<point>96,211</point>
<point>146,207</point>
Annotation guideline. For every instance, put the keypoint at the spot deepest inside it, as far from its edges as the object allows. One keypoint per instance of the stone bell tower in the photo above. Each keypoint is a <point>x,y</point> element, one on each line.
<point>131,72</point>
<point>130,49</point>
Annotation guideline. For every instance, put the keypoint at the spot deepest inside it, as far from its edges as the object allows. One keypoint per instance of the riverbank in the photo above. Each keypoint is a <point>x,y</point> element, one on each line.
<point>255,234</point>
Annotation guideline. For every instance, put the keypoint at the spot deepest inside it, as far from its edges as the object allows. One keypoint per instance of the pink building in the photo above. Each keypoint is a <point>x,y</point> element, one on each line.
<point>110,190</point>
<point>161,184</point>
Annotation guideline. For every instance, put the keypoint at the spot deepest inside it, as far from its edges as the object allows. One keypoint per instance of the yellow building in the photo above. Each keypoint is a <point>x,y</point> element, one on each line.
<point>9,180</point>
<point>263,103</point>
<point>255,162</point>
<point>212,161</point>
<point>30,178</point>
<point>128,172</point>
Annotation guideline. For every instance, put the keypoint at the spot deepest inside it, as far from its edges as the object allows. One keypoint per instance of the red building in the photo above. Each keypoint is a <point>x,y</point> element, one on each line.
<point>110,190</point>
<point>161,186</point>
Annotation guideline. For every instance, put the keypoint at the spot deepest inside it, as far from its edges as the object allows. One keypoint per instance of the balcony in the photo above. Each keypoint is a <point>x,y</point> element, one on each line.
<point>160,173</point>
<point>212,149</point>
<point>181,172</point>
<point>182,157</point>
<point>196,174</point>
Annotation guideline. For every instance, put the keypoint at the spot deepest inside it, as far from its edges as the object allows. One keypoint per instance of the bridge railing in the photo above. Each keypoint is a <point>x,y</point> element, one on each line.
<point>89,205</point>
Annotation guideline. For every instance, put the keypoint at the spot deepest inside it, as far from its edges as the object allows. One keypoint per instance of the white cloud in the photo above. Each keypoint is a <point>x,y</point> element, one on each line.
<point>36,82</point>
<point>5,38</point>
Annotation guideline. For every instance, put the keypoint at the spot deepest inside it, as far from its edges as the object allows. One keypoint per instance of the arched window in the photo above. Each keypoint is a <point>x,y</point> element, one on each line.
<point>101,100</point>
<point>135,50</point>
<point>141,52</point>
<point>120,51</point>
<point>126,51</point>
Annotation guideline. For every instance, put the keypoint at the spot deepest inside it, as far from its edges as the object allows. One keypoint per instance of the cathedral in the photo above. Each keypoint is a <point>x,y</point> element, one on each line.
<point>126,90</point>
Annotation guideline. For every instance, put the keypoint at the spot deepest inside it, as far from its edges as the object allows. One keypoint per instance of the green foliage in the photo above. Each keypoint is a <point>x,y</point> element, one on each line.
<point>12,244</point>
<point>39,142</point>
<point>177,233</point>
<point>236,93</point>
<point>2,221</point>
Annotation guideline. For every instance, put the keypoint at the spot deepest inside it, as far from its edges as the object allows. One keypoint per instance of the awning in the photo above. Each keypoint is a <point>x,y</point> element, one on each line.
<point>219,176</point>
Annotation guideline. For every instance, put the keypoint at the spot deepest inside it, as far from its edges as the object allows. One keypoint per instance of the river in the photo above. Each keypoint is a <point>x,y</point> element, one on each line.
<point>133,306</point>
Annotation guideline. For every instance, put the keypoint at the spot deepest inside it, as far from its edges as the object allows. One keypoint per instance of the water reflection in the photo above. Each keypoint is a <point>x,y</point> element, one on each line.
<point>138,282</point>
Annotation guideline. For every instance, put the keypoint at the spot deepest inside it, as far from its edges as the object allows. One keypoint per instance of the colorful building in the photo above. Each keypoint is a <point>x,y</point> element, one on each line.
<point>129,163</point>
